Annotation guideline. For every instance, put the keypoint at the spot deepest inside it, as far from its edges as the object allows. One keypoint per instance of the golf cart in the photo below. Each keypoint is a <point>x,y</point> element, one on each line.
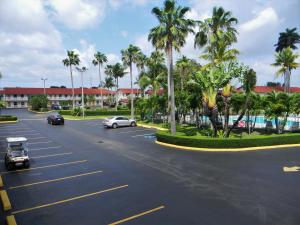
<point>17,153</point>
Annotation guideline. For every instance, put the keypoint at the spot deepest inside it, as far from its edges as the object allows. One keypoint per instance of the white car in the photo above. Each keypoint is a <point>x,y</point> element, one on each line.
<point>119,121</point>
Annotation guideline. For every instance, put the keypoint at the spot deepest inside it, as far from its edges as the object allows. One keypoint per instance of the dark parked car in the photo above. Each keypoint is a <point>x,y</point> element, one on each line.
<point>55,107</point>
<point>55,119</point>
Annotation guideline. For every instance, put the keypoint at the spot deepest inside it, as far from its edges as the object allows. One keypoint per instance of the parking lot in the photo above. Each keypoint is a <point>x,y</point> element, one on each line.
<point>82,173</point>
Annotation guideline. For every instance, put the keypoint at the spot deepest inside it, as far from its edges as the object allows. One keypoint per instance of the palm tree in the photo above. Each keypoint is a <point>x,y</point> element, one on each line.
<point>99,60</point>
<point>155,74</point>
<point>286,60</point>
<point>116,71</point>
<point>141,62</point>
<point>71,60</point>
<point>215,29</point>
<point>109,84</point>
<point>129,56</point>
<point>170,34</point>
<point>286,39</point>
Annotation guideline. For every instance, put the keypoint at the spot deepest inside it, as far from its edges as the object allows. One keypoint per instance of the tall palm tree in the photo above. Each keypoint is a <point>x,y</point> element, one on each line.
<point>170,34</point>
<point>215,29</point>
<point>286,39</point>
<point>99,60</point>
<point>130,56</point>
<point>286,60</point>
<point>71,60</point>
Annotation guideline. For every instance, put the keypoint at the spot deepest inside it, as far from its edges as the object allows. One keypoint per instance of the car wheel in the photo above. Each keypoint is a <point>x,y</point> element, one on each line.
<point>133,124</point>
<point>114,126</point>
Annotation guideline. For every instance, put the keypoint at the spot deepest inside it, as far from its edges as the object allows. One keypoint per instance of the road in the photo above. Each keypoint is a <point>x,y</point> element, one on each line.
<point>82,173</point>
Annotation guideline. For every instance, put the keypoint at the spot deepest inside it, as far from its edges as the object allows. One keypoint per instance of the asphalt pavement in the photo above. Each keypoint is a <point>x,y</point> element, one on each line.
<point>82,173</point>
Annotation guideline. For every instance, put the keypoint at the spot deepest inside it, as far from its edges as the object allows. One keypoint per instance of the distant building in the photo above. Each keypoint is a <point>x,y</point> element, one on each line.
<point>267,89</point>
<point>19,97</point>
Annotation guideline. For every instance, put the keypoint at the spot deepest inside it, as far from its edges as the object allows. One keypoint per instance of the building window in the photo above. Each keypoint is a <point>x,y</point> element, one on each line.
<point>22,103</point>
<point>97,95</point>
<point>22,96</point>
<point>60,95</point>
<point>66,96</point>
<point>15,103</point>
<point>15,96</point>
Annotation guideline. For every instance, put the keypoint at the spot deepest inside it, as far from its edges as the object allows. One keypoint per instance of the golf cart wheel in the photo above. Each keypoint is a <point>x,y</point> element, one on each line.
<point>133,124</point>
<point>114,126</point>
<point>9,166</point>
<point>27,164</point>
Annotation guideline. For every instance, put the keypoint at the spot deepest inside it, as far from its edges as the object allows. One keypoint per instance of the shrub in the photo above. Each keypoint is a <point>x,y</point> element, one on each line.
<point>8,118</point>
<point>206,142</point>
<point>38,101</point>
<point>97,112</point>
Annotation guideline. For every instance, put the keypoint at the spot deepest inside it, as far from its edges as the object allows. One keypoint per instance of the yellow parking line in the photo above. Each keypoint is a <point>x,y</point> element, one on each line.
<point>137,215</point>
<point>54,180</point>
<point>42,167</point>
<point>69,199</point>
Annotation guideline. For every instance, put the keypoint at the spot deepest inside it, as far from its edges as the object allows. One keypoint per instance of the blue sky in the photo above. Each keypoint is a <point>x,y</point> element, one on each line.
<point>35,35</point>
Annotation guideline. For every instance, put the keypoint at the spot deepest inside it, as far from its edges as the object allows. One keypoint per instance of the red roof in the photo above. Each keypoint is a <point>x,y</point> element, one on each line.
<point>158,92</point>
<point>128,90</point>
<point>267,89</point>
<point>54,91</point>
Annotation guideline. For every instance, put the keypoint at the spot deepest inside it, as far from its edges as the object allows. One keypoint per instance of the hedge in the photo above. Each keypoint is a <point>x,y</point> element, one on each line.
<point>205,142</point>
<point>98,112</point>
<point>8,118</point>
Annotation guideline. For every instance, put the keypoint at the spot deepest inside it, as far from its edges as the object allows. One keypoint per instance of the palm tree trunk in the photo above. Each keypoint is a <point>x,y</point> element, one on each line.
<point>72,83</point>
<point>117,87</point>
<point>131,95</point>
<point>226,115</point>
<point>101,93</point>
<point>171,96</point>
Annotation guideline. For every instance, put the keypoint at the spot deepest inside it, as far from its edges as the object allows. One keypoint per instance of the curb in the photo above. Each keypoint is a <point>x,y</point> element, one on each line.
<point>152,127</point>
<point>10,220</point>
<point>1,182</point>
<point>40,112</point>
<point>226,149</point>
<point>5,200</point>
<point>10,121</point>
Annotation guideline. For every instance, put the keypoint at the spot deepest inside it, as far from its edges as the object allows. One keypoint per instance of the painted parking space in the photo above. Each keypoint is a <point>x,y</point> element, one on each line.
<point>45,176</point>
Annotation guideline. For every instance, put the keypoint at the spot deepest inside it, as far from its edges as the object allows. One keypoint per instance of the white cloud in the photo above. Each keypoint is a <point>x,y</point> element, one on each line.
<point>145,45</point>
<point>124,33</point>
<point>78,14</point>
<point>266,17</point>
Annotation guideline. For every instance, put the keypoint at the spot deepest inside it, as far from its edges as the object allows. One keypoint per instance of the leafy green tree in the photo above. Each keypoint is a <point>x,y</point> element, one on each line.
<point>71,60</point>
<point>38,102</point>
<point>130,56</point>
<point>170,34</point>
<point>287,39</point>
<point>286,60</point>
<point>99,60</point>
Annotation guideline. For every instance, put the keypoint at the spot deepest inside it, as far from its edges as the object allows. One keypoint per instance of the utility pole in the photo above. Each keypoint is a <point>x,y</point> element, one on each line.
<point>82,70</point>
<point>44,79</point>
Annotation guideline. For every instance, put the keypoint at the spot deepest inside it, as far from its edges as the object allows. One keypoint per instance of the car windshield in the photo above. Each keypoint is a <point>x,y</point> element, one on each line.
<point>18,149</point>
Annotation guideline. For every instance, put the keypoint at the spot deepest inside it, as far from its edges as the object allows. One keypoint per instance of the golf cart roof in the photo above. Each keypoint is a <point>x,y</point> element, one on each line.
<point>16,139</point>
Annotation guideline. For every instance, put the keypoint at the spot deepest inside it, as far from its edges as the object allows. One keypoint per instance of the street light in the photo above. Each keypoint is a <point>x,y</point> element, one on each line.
<point>44,79</point>
<point>82,70</point>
